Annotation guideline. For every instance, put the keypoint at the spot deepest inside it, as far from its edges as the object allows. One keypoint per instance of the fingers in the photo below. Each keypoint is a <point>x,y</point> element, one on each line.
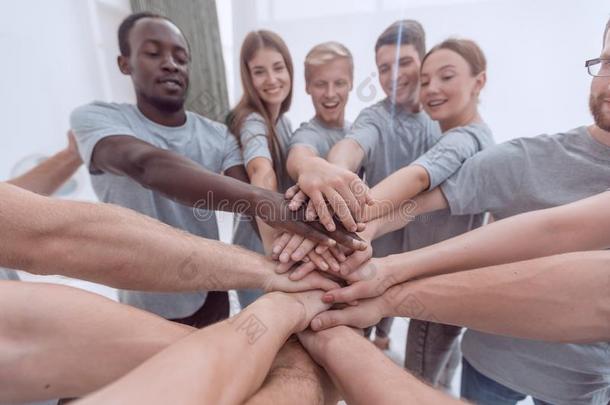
<point>282,268</point>
<point>294,242</point>
<point>316,281</point>
<point>354,261</point>
<point>319,261</point>
<point>302,270</point>
<point>279,244</point>
<point>310,212</point>
<point>297,201</point>
<point>354,292</point>
<point>341,209</point>
<point>352,316</point>
<point>291,192</point>
<point>309,231</point>
<point>330,259</point>
<point>337,254</point>
<point>302,250</point>
<point>324,215</point>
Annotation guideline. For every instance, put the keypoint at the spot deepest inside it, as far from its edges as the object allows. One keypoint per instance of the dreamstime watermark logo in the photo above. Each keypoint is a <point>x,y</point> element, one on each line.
<point>274,208</point>
<point>366,91</point>
<point>249,325</point>
<point>191,270</point>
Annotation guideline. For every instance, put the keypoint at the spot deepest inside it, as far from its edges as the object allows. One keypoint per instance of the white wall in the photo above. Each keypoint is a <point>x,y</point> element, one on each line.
<point>56,55</point>
<point>535,49</point>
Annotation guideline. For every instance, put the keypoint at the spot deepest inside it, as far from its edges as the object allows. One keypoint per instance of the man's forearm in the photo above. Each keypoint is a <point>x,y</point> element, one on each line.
<point>297,160</point>
<point>574,227</point>
<point>49,175</point>
<point>221,364</point>
<point>118,247</point>
<point>347,154</point>
<point>560,298</point>
<point>64,342</point>
<point>371,377</point>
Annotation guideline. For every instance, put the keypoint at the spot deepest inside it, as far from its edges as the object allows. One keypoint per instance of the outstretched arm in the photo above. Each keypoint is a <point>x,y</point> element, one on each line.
<point>369,377</point>
<point>183,180</point>
<point>581,225</point>
<point>222,364</point>
<point>59,341</point>
<point>49,175</point>
<point>120,248</point>
<point>560,298</point>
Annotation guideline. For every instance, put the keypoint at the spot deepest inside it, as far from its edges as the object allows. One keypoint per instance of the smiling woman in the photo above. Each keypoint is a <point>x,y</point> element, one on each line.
<point>262,128</point>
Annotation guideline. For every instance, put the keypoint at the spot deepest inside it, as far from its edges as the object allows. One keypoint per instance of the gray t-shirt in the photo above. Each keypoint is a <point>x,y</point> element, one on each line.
<point>254,143</point>
<point>454,147</point>
<point>518,176</point>
<point>318,137</point>
<point>7,274</point>
<point>205,142</point>
<point>392,140</point>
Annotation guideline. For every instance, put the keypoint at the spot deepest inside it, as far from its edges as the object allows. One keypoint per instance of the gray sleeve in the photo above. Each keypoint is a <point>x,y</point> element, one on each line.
<point>94,122</point>
<point>253,137</point>
<point>366,131</point>
<point>231,153</point>
<point>305,136</point>
<point>489,181</point>
<point>447,155</point>
<point>6,274</point>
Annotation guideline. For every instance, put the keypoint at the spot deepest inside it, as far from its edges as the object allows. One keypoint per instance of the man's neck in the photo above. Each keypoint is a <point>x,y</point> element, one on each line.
<point>168,119</point>
<point>600,135</point>
<point>333,124</point>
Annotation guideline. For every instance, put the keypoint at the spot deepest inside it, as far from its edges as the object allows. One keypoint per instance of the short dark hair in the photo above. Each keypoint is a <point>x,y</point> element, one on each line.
<point>128,24</point>
<point>404,32</point>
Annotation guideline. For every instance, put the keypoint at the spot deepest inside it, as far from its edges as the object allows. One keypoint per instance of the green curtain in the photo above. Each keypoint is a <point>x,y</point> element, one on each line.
<point>199,21</point>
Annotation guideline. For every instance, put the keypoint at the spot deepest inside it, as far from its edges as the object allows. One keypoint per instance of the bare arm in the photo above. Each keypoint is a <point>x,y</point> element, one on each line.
<point>59,341</point>
<point>561,298</point>
<point>118,247</point>
<point>369,377</point>
<point>581,225</point>
<point>297,161</point>
<point>186,182</point>
<point>261,174</point>
<point>347,154</point>
<point>49,175</point>
<point>222,364</point>
<point>396,190</point>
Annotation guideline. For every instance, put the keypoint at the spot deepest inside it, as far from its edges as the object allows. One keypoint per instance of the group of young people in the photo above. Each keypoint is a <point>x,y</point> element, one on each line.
<point>345,226</point>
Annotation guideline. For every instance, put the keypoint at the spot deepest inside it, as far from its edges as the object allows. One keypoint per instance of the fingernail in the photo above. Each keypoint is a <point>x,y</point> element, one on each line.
<point>284,257</point>
<point>316,324</point>
<point>324,266</point>
<point>328,298</point>
<point>277,249</point>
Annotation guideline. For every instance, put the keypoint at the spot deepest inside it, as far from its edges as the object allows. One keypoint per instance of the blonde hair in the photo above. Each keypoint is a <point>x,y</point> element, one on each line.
<point>327,52</point>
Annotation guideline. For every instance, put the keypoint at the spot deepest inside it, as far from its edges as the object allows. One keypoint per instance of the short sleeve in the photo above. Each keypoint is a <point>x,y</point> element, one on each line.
<point>231,154</point>
<point>253,137</point>
<point>366,131</point>
<point>94,122</point>
<point>308,137</point>
<point>448,155</point>
<point>489,181</point>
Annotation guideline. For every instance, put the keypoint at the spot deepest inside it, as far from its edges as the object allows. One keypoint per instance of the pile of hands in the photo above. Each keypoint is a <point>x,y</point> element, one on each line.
<point>337,258</point>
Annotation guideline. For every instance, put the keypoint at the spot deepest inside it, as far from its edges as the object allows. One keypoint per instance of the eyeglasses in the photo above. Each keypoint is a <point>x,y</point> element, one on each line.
<point>598,67</point>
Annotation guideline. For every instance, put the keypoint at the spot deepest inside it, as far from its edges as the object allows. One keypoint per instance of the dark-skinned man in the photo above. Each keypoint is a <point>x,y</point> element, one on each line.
<point>163,161</point>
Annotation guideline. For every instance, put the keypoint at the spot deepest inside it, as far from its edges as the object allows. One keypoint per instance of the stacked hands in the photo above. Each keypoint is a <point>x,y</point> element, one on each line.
<point>353,281</point>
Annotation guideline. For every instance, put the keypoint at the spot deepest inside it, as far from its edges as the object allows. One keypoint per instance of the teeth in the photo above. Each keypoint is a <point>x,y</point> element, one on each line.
<point>435,103</point>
